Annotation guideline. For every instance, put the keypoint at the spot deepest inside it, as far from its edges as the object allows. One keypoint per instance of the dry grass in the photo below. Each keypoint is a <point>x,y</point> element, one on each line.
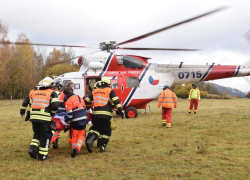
<point>213,144</point>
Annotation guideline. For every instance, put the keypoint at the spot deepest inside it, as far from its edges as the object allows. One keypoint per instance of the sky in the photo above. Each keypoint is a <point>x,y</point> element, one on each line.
<point>220,36</point>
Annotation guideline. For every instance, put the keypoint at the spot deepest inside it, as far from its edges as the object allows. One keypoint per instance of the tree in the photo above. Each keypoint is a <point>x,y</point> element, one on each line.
<point>204,94</point>
<point>182,92</point>
<point>248,94</point>
<point>61,69</point>
<point>5,56</point>
<point>39,60</point>
<point>224,94</point>
<point>56,56</point>
<point>22,69</point>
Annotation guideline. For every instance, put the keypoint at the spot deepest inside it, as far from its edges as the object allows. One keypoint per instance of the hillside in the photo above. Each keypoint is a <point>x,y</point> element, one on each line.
<point>230,91</point>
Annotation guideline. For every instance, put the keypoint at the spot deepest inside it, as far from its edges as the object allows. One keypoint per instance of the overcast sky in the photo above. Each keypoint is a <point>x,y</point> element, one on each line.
<point>80,22</point>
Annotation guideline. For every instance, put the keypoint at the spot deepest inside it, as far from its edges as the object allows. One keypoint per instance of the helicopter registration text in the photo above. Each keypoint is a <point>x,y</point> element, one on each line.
<point>193,74</point>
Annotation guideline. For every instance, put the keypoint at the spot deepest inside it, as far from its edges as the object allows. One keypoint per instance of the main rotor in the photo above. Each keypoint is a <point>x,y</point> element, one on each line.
<point>112,45</point>
<point>107,45</point>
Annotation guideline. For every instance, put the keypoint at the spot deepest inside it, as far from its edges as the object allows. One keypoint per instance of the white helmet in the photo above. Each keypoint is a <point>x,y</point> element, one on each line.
<point>46,82</point>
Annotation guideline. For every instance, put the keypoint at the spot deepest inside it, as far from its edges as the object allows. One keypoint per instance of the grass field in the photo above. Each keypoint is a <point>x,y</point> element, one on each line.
<point>213,144</point>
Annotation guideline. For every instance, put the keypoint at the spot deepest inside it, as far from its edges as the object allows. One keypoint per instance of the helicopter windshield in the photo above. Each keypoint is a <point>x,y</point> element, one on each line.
<point>131,62</point>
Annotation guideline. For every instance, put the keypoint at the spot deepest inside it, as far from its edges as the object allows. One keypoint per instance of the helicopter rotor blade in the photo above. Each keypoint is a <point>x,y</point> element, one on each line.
<point>63,61</point>
<point>156,49</point>
<point>39,44</point>
<point>247,36</point>
<point>171,26</point>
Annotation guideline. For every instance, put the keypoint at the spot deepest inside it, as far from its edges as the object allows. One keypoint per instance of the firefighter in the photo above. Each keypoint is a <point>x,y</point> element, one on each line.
<point>194,98</point>
<point>77,119</point>
<point>44,104</point>
<point>96,86</point>
<point>166,100</point>
<point>102,123</point>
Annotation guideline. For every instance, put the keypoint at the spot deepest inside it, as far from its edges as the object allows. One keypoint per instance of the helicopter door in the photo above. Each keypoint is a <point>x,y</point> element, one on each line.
<point>89,84</point>
<point>116,85</point>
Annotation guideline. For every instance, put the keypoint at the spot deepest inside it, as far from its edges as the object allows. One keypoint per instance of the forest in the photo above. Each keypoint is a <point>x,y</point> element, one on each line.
<point>23,66</point>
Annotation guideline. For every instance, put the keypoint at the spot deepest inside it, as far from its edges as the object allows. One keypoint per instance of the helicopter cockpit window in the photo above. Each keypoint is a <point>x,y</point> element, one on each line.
<point>133,82</point>
<point>114,84</point>
<point>130,62</point>
<point>65,81</point>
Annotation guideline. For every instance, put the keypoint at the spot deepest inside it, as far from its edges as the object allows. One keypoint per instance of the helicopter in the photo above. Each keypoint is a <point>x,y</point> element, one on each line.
<point>136,81</point>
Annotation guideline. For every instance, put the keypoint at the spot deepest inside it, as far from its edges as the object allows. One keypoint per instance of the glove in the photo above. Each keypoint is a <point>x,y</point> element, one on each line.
<point>27,116</point>
<point>175,105</point>
<point>122,115</point>
<point>113,125</point>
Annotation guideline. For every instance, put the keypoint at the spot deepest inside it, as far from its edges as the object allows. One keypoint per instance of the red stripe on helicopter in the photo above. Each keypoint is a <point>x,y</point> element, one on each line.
<point>221,71</point>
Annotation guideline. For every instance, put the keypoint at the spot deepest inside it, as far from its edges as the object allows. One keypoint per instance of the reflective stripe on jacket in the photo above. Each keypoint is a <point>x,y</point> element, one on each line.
<point>45,104</point>
<point>76,110</point>
<point>167,98</point>
<point>58,93</point>
<point>41,99</point>
<point>101,97</point>
<point>194,94</point>
<point>106,110</point>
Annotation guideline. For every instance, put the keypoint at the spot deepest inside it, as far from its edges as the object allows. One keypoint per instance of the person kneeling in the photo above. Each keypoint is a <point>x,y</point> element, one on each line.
<point>77,119</point>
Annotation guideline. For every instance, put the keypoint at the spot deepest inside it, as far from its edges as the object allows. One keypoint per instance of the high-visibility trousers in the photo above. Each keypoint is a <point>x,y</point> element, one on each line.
<point>167,114</point>
<point>193,103</point>
<point>55,136</point>
<point>78,137</point>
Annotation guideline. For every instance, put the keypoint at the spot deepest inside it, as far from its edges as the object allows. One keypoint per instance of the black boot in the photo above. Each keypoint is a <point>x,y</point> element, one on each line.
<point>98,142</point>
<point>55,144</point>
<point>74,153</point>
<point>33,151</point>
<point>103,143</point>
<point>42,157</point>
<point>103,148</point>
<point>90,140</point>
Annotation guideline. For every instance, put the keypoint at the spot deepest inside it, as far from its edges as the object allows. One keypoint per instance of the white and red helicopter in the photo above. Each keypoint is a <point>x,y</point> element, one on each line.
<point>135,80</point>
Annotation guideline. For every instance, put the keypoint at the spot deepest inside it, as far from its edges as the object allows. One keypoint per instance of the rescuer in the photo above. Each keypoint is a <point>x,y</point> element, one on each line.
<point>102,123</point>
<point>194,98</point>
<point>77,119</point>
<point>44,105</point>
<point>166,100</point>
